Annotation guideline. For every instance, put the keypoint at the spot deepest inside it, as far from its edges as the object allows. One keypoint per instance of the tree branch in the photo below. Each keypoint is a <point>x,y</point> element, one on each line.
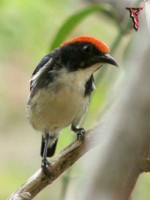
<point>38,181</point>
<point>58,165</point>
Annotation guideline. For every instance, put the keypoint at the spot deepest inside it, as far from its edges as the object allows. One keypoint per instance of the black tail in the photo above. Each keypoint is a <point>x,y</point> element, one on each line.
<point>50,150</point>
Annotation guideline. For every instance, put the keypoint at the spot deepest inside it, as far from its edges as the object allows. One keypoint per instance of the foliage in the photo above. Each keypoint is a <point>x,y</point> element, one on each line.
<point>76,18</point>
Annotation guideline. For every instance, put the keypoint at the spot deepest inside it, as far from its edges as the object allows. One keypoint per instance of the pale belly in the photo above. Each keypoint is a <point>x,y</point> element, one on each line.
<point>52,111</point>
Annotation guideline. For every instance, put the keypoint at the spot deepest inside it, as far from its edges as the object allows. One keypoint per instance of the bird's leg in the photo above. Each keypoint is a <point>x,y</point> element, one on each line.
<point>79,131</point>
<point>45,162</point>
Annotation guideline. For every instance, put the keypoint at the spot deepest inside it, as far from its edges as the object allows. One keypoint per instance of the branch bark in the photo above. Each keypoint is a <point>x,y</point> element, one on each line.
<point>59,164</point>
<point>68,157</point>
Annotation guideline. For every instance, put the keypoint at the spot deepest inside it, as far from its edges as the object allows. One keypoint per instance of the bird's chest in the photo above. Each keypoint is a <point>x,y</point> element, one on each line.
<point>67,99</point>
<point>58,105</point>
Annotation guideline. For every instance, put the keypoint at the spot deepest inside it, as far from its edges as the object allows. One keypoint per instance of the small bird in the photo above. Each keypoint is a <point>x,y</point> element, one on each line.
<point>60,90</point>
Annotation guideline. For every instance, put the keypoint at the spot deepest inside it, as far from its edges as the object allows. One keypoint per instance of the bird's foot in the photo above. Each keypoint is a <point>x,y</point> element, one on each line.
<point>45,164</point>
<point>80,132</point>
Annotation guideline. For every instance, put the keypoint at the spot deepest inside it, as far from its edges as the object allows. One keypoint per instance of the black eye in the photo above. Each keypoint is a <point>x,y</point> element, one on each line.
<point>87,49</point>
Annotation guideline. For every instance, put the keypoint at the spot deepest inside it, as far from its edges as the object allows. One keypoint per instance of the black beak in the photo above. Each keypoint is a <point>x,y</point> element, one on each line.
<point>108,59</point>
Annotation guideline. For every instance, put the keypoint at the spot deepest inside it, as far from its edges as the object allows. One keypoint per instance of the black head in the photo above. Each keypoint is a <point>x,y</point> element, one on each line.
<point>84,52</point>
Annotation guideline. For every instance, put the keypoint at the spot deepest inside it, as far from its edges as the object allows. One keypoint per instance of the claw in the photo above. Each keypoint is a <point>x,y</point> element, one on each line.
<point>44,165</point>
<point>79,131</point>
<point>80,134</point>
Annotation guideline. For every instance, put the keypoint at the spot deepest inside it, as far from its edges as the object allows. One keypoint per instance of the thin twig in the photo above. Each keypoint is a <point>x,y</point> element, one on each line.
<point>59,164</point>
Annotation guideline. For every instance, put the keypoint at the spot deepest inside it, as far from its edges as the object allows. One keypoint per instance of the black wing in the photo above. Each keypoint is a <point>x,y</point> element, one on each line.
<point>37,70</point>
<point>42,63</point>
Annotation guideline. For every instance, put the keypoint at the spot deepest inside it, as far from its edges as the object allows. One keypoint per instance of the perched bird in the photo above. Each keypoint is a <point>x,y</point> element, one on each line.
<point>60,89</point>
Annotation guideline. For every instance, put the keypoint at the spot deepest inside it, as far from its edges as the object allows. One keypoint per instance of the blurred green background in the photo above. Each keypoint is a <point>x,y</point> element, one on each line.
<point>27,31</point>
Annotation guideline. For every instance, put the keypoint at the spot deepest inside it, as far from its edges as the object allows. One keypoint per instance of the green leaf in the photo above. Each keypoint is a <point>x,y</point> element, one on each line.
<point>76,18</point>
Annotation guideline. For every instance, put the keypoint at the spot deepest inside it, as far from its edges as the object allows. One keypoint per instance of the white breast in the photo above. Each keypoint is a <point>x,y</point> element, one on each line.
<point>61,103</point>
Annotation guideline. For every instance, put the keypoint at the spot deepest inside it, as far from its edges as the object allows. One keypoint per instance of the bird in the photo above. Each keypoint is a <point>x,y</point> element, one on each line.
<point>60,90</point>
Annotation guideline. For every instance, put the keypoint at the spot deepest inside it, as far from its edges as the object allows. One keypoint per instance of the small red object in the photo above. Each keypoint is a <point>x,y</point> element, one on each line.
<point>98,43</point>
<point>135,11</point>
